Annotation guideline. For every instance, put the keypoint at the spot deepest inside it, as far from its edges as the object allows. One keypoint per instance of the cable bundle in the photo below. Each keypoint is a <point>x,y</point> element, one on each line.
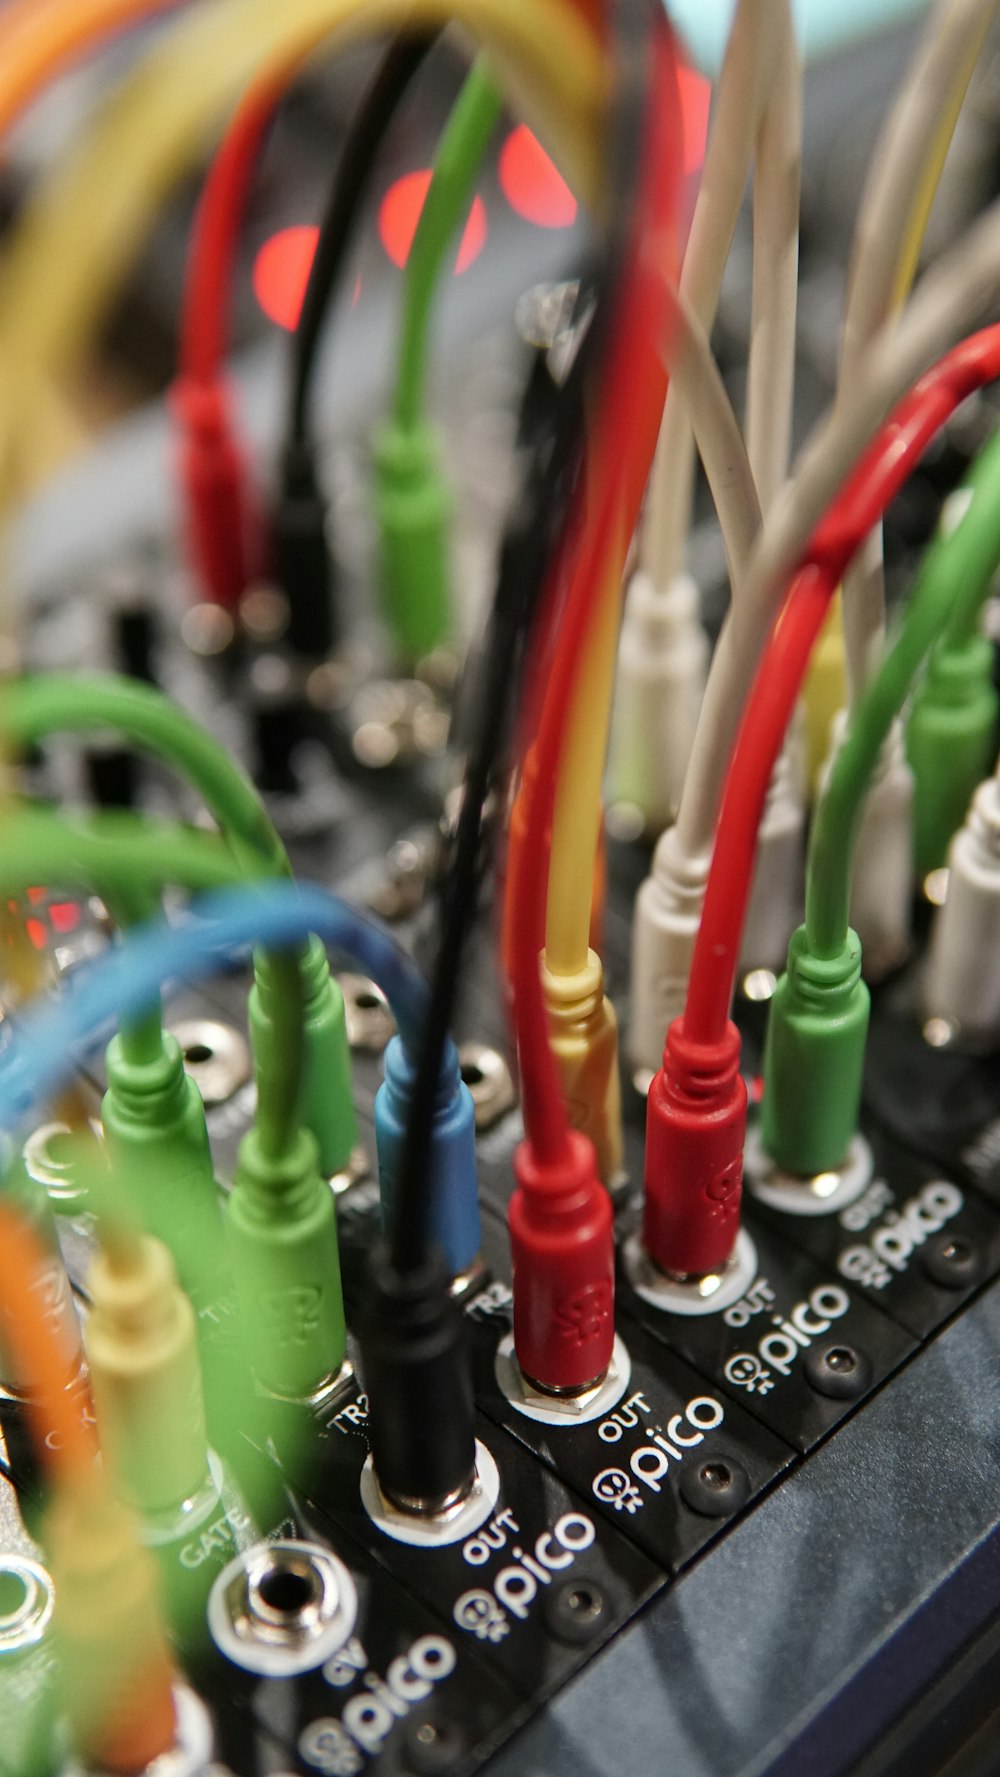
<point>604,458</point>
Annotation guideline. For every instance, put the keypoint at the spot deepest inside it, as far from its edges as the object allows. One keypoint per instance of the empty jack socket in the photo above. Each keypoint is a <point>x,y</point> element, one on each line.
<point>282,1608</point>
<point>215,1055</point>
<point>370,1022</point>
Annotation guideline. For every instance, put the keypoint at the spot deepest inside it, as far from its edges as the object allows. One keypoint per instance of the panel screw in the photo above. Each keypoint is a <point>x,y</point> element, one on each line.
<point>716,1487</point>
<point>433,1744</point>
<point>953,1262</point>
<point>841,1372</point>
<point>577,1610</point>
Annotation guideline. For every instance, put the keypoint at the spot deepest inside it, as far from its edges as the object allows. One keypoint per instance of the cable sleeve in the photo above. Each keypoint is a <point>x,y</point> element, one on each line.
<point>456,165</point>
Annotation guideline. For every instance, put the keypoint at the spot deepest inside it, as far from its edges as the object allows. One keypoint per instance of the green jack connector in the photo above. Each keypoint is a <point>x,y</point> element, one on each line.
<point>950,743</point>
<point>282,1237</point>
<point>154,1125</point>
<point>814,1057</point>
<point>327,1106</point>
<point>413,507</point>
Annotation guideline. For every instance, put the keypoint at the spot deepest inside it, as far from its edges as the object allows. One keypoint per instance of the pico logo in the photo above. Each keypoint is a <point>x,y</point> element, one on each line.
<point>485,1611</point>
<point>900,1234</point>
<point>650,1461</point>
<point>338,1746</point>
<point>779,1351</point>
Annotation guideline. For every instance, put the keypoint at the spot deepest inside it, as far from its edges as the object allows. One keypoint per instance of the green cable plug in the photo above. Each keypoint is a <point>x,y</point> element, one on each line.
<point>153,1116</point>
<point>154,1125</point>
<point>950,742</point>
<point>327,1103</point>
<point>814,1058</point>
<point>157,1136</point>
<point>814,1052</point>
<point>413,507</point>
<point>413,501</point>
<point>33,708</point>
<point>282,1236</point>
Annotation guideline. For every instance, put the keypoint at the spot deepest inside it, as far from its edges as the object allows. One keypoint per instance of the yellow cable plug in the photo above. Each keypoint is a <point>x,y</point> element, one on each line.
<point>824,695</point>
<point>90,216</point>
<point>116,1669</point>
<point>145,1375</point>
<point>583,1027</point>
<point>583,1034</point>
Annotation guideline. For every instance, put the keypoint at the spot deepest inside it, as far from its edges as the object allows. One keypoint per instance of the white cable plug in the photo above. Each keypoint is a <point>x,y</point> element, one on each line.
<point>775,905</point>
<point>664,927</point>
<point>963,971</point>
<point>882,884</point>
<point>668,908</point>
<point>662,665</point>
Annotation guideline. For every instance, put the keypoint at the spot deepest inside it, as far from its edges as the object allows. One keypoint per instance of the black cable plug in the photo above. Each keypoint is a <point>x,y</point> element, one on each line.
<point>302,557</point>
<point>303,562</point>
<point>416,1369</point>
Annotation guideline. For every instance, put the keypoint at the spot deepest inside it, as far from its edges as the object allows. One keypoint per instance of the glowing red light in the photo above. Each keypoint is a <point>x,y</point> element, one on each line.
<point>399,213</point>
<point>64,916</point>
<point>281,272</point>
<point>532,184</point>
<point>696,96</point>
<point>38,933</point>
<point>473,237</point>
<point>35,895</point>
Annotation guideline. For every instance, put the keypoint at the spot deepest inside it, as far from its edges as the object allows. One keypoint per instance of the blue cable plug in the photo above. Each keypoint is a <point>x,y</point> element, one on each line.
<point>454,1202</point>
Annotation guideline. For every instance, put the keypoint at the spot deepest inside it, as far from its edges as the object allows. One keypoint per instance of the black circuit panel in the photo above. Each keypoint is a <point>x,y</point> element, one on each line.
<point>555,1580</point>
<point>940,1099</point>
<point>799,1348</point>
<point>716,1415</point>
<point>670,1462</point>
<point>400,1695</point>
<point>915,1242</point>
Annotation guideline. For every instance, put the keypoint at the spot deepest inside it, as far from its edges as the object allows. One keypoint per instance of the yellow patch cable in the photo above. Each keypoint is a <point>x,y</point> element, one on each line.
<point>90,217</point>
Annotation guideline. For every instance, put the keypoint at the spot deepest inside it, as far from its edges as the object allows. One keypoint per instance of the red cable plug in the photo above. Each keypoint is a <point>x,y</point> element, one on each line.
<point>562,1249</point>
<point>560,1218</point>
<point>696,1118</point>
<point>225,537</point>
<point>696,1115</point>
<point>213,479</point>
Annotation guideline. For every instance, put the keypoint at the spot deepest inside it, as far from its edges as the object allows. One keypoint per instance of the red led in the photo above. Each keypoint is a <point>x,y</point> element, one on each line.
<point>35,895</point>
<point>281,273</point>
<point>399,213</point>
<point>38,932</point>
<point>64,916</point>
<point>532,184</point>
<point>473,237</point>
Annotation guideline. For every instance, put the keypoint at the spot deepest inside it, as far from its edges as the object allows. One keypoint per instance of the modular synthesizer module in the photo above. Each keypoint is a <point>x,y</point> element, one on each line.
<point>500,973</point>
